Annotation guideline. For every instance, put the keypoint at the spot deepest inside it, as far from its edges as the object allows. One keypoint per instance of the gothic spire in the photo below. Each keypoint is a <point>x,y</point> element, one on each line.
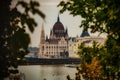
<point>58,19</point>
<point>66,30</point>
<point>42,37</point>
<point>46,37</point>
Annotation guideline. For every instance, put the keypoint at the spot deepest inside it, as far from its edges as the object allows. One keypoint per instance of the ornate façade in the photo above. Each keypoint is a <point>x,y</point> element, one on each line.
<point>60,45</point>
<point>56,46</point>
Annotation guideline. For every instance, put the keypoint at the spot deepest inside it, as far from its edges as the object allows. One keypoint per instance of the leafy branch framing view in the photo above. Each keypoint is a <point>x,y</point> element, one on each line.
<point>14,39</point>
<point>98,62</point>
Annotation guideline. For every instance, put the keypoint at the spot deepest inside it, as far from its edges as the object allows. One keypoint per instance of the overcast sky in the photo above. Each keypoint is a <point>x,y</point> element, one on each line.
<point>50,9</point>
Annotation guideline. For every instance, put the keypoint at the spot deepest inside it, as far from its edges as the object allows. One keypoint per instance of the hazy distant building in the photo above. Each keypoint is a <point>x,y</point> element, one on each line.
<point>85,38</point>
<point>56,46</point>
<point>60,45</point>
<point>33,52</point>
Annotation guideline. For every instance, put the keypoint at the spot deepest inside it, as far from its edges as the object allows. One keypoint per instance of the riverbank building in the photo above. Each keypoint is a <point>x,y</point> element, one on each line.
<point>56,46</point>
<point>60,45</point>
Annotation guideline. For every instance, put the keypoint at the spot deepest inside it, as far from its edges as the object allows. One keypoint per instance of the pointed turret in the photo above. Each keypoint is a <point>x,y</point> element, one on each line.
<point>51,34</point>
<point>42,37</point>
<point>58,19</point>
<point>47,38</point>
<point>85,33</point>
<point>66,32</point>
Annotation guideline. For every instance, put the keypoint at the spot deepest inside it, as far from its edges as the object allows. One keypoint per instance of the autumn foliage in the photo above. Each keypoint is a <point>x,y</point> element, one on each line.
<point>92,70</point>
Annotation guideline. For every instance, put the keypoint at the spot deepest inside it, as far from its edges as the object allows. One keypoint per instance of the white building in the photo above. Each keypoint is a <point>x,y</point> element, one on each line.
<point>85,38</point>
<point>60,45</point>
<point>56,46</point>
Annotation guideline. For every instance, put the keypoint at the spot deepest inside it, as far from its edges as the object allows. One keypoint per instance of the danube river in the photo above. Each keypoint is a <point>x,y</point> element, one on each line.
<point>48,72</point>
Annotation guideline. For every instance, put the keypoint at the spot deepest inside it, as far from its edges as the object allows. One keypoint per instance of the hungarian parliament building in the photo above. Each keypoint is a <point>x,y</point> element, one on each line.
<point>60,45</point>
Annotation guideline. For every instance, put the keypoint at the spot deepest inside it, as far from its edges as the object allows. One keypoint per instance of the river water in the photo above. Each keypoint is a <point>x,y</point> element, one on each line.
<point>48,72</point>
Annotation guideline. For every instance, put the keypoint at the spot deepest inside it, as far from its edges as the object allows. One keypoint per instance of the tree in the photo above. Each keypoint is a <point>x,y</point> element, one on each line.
<point>90,68</point>
<point>110,59</point>
<point>99,15</point>
<point>13,37</point>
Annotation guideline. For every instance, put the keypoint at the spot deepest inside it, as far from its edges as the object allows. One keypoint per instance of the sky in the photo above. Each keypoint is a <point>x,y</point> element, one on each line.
<point>50,9</point>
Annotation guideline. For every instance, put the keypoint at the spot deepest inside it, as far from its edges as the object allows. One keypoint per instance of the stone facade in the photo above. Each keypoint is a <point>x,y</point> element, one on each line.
<point>74,43</point>
<point>60,45</point>
<point>56,46</point>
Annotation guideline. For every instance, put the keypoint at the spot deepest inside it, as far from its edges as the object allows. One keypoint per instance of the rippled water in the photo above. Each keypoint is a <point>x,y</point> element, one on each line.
<point>48,72</point>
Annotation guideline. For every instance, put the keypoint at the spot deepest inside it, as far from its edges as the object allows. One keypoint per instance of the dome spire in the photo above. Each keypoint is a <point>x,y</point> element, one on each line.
<point>58,19</point>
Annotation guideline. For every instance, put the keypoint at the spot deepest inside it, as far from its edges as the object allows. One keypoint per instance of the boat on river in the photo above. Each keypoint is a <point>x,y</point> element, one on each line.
<point>72,65</point>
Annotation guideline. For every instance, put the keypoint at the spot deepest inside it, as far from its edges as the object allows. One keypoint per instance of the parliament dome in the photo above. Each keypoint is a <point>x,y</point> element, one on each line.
<point>58,25</point>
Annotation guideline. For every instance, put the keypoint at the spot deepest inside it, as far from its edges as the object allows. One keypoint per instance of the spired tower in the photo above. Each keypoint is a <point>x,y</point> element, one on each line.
<point>58,31</point>
<point>42,37</point>
<point>42,41</point>
<point>56,46</point>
